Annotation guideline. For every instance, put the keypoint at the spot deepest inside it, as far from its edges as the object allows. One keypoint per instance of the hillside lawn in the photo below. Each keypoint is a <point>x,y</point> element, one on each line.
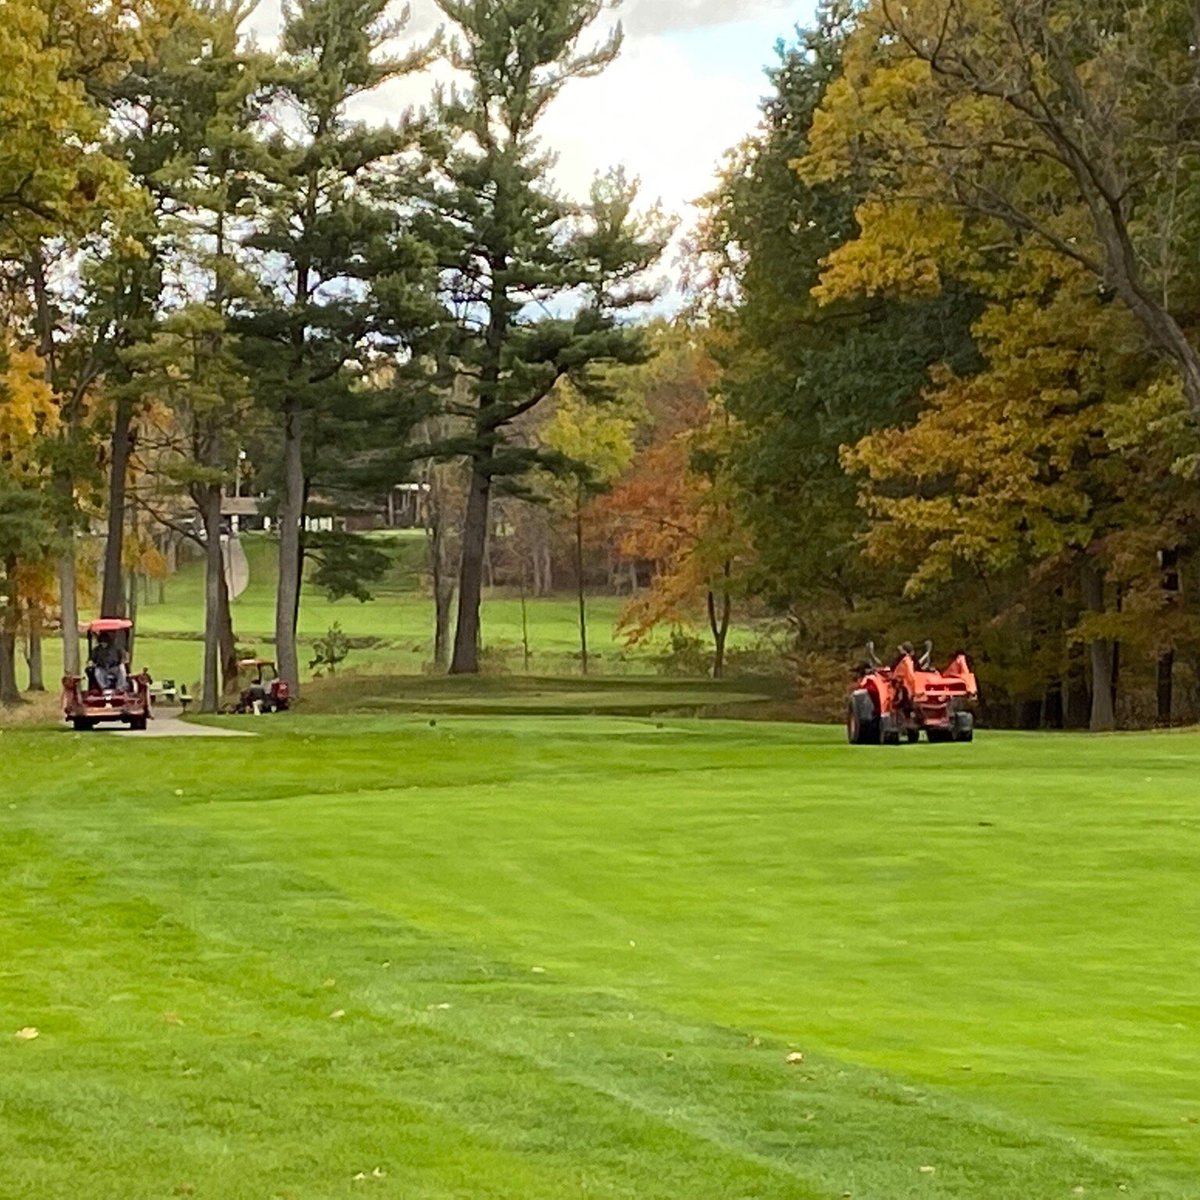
<point>534,957</point>
<point>397,622</point>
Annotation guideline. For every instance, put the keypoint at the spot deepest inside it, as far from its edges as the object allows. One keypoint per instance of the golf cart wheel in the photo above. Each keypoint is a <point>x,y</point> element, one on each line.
<point>862,725</point>
<point>82,724</point>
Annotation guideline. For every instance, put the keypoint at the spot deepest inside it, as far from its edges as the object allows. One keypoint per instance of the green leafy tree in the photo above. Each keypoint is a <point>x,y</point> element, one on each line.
<point>595,445</point>
<point>800,378</point>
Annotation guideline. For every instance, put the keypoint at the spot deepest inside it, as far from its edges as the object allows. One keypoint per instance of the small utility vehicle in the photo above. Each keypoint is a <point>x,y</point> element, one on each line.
<point>107,691</point>
<point>265,692</point>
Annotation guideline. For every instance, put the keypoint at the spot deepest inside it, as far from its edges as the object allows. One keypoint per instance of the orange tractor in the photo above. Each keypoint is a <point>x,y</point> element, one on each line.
<point>890,703</point>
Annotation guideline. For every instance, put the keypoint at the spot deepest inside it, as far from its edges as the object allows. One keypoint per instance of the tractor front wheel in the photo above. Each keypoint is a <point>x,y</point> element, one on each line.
<point>82,724</point>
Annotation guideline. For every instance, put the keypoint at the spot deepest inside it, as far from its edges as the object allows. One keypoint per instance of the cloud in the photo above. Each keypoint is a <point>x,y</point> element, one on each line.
<point>685,89</point>
<point>640,17</point>
<point>665,16</point>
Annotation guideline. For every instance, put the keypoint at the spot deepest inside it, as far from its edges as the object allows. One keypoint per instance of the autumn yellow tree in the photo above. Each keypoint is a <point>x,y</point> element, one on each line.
<point>1065,124</point>
<point>28,415</point>
<point>591,445</point>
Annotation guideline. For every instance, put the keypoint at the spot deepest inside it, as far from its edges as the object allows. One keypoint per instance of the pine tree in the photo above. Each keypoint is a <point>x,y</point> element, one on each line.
<point>340,261</point>
<point>513,250</point>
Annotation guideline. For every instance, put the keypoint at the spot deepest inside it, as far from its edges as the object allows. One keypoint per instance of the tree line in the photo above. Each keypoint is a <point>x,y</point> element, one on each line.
<point>951,285</point>
<point>938,374</point>
<point>205,250</point>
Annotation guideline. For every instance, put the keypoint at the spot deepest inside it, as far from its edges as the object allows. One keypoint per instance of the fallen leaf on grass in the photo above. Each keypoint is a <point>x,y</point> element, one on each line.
<point>927,1170</point>
<point>328,983</point>
<point>172,1018</point>
<point>795,1058</point>
<point>377,1173</point>
<point>27,1034</point>
<point>337,1014</point>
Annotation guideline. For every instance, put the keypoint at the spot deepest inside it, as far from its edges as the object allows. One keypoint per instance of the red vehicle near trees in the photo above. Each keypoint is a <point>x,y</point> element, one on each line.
<point>107,691</point>
<point>889,703</point>
<point>265,691</point>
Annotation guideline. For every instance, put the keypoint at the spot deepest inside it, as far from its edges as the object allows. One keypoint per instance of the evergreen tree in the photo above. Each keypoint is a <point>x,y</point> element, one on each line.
<point>343,277</point>
<point>512,250</point>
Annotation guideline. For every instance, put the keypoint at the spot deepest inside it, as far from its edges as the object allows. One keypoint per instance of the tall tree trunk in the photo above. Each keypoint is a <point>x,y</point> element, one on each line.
<point>1103,716</point>
<point>64,484</point>
<point>470,580</point>
<point>443,613</point>
<point>524,623</point>
<point>227,641</point>
<point>214,570</point>
<point>718,622</point>
<point>132,612</point>
<point>435,514</point>
<point>37,675</point>
<point>1166,686</point>
<point>10,693</point>
<point>1169,561</point>
<point>291,514</point>
<point>583,642</point>
<point>112,601</point>
<point>68,595</point>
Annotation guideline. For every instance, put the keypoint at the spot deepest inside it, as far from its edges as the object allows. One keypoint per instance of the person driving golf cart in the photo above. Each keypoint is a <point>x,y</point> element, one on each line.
<point>108,665</point>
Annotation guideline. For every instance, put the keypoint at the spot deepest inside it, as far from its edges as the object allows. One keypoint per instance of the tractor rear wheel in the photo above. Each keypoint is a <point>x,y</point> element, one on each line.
<point>913,735</point>
<point>964,727</point>
<point>82,724</point>
<point>137,723</point>
<point>862,722</point>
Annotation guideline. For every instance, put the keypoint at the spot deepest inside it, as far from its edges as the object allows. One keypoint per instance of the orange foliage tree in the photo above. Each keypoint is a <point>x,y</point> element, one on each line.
<point>674,509</point>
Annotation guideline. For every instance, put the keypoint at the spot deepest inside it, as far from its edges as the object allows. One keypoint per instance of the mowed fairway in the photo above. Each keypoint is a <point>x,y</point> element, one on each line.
<point>546,957</point>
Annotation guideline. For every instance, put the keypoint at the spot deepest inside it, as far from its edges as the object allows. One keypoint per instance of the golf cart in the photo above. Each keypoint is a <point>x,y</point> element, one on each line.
<point>107,691</point>
<point>265,692</point>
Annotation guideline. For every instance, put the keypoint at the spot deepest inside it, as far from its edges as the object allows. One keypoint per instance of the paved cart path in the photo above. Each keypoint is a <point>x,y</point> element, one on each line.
<point>169,725</point>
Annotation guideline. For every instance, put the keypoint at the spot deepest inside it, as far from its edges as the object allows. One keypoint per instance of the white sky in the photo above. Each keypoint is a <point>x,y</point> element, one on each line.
<point>684,90</point>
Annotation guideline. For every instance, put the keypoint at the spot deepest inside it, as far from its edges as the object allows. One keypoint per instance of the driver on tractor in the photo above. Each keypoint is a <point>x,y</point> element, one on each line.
<point>108,665</point>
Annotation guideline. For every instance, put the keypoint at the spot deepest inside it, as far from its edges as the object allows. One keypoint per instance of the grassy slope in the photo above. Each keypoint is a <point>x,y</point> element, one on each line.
<point>401,615</point>
<point>985,953</point>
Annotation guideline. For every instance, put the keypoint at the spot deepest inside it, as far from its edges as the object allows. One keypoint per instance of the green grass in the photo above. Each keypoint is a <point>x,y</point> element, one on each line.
<point>399,621</point>
<point>532,695</point>
<point>571,955</point>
